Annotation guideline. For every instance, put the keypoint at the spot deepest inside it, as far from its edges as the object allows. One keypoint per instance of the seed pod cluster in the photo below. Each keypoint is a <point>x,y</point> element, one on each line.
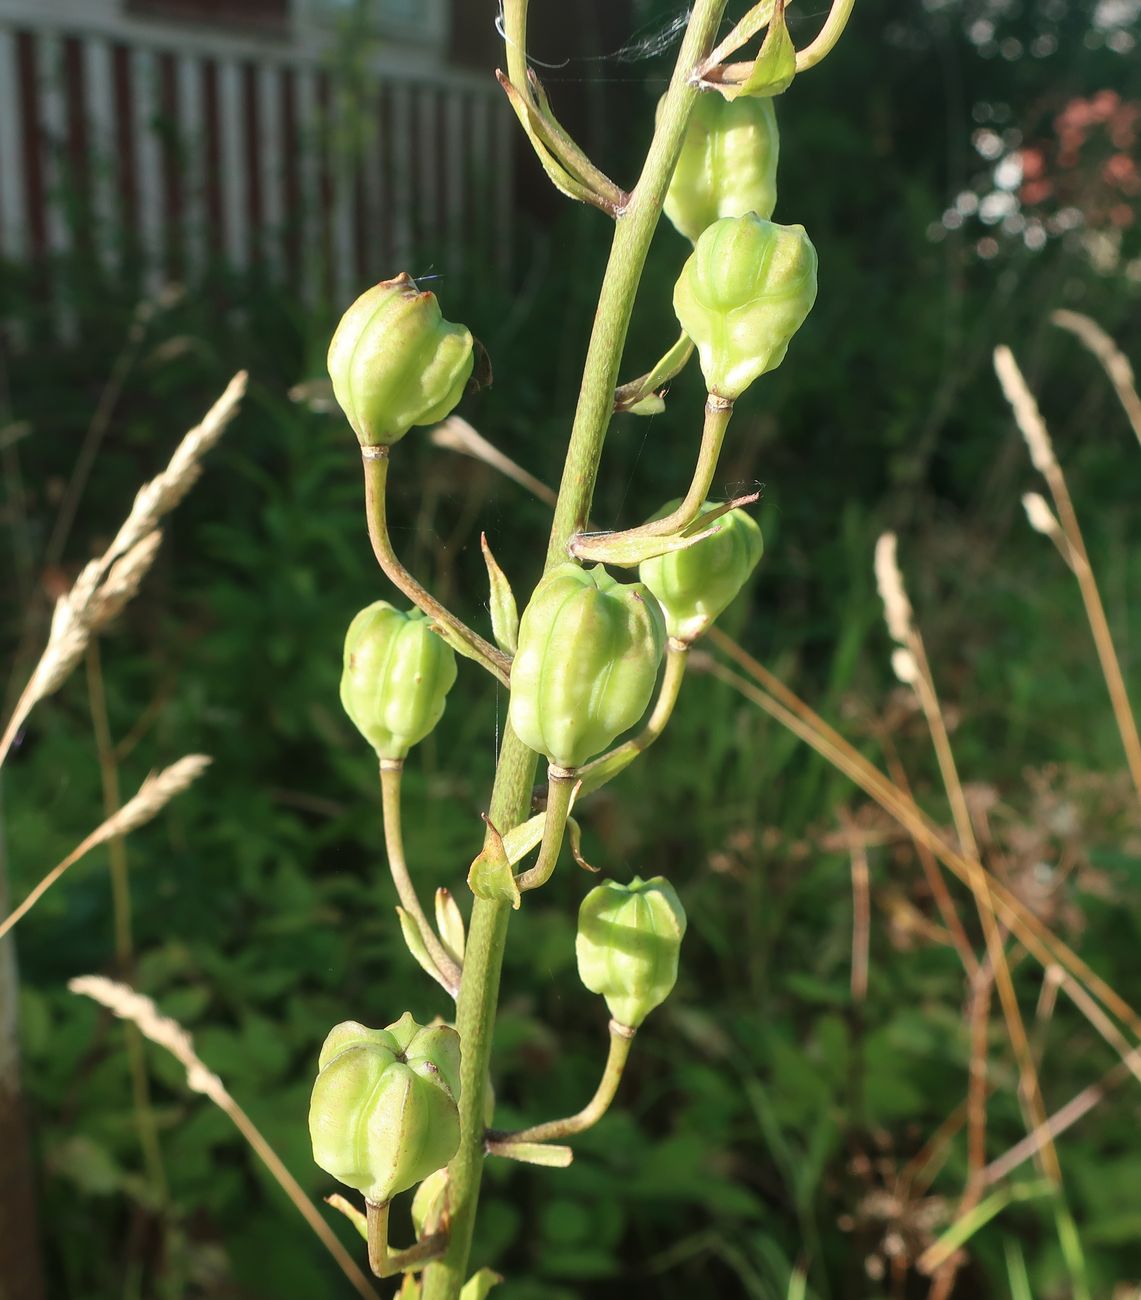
<point>383,1114</point>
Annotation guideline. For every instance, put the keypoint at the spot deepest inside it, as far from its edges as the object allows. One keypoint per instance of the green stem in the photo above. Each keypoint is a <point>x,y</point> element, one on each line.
<point>391,771</point>
<point>123,927</point>
<point>375,461</point>
<point>560,789</point>
<point>718,412</point>
<point>672,364</point>
<point>510,800</point>
<point>385,1262</point>
<point>621,1040</point>
<point>829,34</point>
<point>598,771</point>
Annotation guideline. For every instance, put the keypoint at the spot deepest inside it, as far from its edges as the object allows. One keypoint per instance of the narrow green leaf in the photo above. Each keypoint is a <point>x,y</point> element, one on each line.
<point>775,65</point>
<point>536,1153</point>
<point>414,942</point>
<point>559,177</point>
<point>504,611</point>
<point>628,550</point>
<point>479,1284</point>
<point>450,923</point>
<point>355,1217</point>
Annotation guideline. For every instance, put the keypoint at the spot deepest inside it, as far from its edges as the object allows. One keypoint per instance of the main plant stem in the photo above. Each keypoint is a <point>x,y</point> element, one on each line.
<point>511,795</point>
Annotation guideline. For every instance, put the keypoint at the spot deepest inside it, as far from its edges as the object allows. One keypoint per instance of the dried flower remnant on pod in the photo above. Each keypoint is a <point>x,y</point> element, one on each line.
<point>395,362</point>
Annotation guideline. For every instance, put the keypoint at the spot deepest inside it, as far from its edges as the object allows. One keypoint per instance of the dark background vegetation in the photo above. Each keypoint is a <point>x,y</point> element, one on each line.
<point>764,1113</point>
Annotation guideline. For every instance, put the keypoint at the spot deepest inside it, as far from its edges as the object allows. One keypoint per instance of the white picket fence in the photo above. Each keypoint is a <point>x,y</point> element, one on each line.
<point>174,151</point>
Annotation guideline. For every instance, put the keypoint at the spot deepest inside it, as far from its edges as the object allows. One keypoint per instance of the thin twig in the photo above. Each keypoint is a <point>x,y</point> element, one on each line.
<point>905,631</point>
<point>1063,1118</point>
<point>932,872</point>
<point>375,462</point>
<point>861,914</point>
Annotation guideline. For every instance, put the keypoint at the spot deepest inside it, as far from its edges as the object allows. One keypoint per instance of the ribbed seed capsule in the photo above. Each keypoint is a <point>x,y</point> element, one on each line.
<point>629,939</point>
<point>695,585</point>
<point>586,663</point>
<point>728,163</point>
<point>395,362</point>
<point>383,1114</point>
<point>744,292</point>
<point>397,674</point>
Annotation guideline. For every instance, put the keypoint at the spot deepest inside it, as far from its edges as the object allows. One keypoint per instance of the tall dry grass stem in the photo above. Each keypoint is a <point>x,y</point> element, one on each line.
<point>770,693</point>
<point>1037,437</point>
<point>1113,360</point>
<point>121,907</point>
<point>912,665</point>
<point>124,1002</point>
<point>151,798</point>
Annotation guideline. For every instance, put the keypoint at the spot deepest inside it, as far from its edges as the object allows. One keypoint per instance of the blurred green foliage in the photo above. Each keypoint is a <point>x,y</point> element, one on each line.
<point>764,1117</point>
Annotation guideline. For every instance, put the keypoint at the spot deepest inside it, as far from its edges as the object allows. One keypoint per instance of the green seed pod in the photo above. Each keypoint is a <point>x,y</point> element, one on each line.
<point>383,1115</point>
<point>728,163</point>
<point>396,677</point>
<point>589,649</point>
<point>744,292</point>
<point>694,586</point>
<point>395,362</point>
<point>629,937</point>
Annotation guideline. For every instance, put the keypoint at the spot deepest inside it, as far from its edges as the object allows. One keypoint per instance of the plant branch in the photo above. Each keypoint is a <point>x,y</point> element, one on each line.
<point>718,412</point>
<point>479,990</point>
<point>829,34</point>
<point>561,784</point>
<point>621,1040</point>
<point>375,461</point>
<point>391,772</point>
<point>385,1262</point>
<point>588,183</point>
